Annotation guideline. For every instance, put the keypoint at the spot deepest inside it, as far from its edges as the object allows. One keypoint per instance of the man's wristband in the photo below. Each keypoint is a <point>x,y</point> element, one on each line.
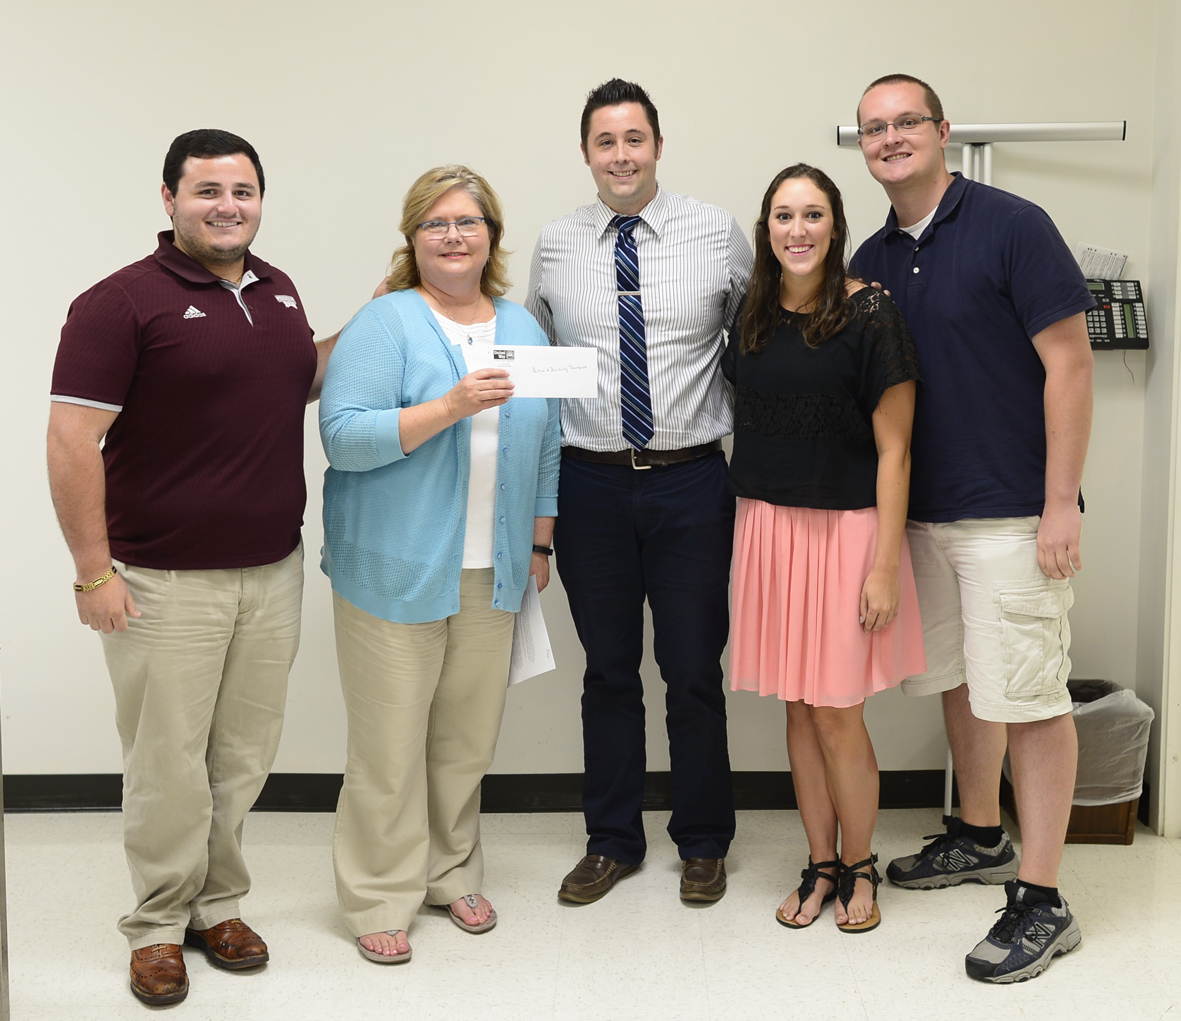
<point>98,582</point>
<point>545,551</point>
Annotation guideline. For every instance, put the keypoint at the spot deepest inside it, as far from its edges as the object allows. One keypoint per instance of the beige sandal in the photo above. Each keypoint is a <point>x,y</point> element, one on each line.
<point>475,928</point>
<point>380,958</point>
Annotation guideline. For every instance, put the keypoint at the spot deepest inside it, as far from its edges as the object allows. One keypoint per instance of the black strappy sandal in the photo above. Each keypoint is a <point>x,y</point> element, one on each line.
<point>849,876</point>
<point>807,887</point>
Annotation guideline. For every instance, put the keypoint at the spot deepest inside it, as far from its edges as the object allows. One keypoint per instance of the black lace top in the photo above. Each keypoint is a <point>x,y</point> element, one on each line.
<point>803,417</point>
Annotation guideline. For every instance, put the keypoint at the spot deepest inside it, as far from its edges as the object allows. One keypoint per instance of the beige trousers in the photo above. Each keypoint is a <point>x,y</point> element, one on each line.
<point>200,685</point>
<point>424,705</point>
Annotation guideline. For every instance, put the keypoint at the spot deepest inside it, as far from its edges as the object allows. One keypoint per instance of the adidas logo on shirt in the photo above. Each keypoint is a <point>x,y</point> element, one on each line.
<point>194,313</point>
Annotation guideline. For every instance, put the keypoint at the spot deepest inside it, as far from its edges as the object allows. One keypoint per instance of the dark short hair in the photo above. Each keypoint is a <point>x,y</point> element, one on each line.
<point>204,143</point>
<point>613,93</point>
<point>933,103</point>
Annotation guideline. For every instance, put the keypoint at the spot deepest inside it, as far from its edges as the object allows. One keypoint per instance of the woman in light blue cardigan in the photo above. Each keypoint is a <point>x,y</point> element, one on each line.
<point>439,504</point>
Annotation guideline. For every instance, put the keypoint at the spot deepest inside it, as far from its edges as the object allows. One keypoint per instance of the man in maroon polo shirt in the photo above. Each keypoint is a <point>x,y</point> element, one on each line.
<point>176,468</point>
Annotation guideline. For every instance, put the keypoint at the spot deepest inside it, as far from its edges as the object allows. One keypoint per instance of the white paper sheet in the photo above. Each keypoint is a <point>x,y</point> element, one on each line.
<point>542,371</point>
<point>532,653</point>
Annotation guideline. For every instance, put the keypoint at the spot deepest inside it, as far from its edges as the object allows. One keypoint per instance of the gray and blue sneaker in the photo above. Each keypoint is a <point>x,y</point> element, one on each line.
<point>953,858</point>
<point>1025,940</point>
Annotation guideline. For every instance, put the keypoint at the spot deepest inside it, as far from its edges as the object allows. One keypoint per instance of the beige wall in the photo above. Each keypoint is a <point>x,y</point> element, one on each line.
<point>1160,568</point>
<point>348,102</point>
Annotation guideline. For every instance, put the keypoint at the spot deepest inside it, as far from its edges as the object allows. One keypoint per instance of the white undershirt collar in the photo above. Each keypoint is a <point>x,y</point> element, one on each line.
<point>247,278</point>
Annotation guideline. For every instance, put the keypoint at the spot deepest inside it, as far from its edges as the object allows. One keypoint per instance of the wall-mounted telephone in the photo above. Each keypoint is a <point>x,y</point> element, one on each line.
<point>1119,321</point>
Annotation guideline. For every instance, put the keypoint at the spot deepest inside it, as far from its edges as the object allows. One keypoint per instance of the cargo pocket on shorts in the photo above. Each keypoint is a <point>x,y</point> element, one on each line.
<point>1037,640</point>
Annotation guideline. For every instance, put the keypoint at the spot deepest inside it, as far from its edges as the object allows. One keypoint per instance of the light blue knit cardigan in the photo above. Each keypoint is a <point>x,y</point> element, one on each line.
<point>394,523</point>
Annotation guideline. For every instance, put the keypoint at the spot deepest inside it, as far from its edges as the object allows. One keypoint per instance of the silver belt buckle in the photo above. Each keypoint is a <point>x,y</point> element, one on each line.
<point>637,467</point>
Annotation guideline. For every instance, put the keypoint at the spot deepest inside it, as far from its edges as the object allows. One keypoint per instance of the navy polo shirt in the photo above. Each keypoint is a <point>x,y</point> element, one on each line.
<point>988,273</point>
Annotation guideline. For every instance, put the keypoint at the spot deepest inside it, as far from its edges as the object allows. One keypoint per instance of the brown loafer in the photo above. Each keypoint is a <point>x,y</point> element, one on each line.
<point>703,879</point>
<point>592,878</point>
<point>158,974</point>
<point>231,944</point>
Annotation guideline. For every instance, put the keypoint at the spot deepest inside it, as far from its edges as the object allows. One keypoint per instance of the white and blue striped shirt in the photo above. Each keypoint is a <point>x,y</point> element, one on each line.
<point>694,267</point>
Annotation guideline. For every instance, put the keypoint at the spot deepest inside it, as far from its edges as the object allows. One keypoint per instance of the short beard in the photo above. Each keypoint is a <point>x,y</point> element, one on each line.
<point>205,254</point>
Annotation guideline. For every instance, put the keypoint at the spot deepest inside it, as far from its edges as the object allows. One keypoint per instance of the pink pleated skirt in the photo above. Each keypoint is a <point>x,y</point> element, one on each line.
<point>795,630</point>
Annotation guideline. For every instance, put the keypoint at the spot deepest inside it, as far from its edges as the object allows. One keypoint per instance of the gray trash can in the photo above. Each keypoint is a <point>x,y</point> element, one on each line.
<point>1113,726</point>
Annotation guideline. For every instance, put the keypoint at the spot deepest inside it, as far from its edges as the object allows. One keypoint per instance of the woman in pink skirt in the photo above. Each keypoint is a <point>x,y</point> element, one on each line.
<point>825,610</point>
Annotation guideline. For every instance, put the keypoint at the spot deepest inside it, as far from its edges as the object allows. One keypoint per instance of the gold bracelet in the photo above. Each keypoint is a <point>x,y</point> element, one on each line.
<point>90,586</point>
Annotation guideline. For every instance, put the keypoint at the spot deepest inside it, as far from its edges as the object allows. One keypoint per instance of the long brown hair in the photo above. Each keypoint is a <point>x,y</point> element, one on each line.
<point>832,308</point>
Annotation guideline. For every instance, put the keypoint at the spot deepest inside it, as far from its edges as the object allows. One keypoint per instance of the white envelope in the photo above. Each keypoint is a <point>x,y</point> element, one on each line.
<point>541,371</point>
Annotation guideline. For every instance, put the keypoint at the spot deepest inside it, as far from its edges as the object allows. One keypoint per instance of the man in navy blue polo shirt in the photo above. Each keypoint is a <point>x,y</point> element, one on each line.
<point>176,468</point>
<point>996,304</point>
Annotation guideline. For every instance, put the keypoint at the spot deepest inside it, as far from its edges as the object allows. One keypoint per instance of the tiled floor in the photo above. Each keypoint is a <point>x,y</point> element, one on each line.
<point>637,954</point>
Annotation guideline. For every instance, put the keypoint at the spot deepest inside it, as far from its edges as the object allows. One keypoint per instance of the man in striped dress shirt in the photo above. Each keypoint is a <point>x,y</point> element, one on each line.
<point>649,279</point>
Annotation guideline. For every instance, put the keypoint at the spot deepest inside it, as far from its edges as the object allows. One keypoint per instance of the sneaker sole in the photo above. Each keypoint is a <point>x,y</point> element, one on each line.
<point>1064,943</point>
<point>985,877</point>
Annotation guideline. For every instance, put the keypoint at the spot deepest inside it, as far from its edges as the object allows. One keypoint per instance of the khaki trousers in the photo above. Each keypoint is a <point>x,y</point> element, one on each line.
<point>200,685</point>
<point>424,705</point>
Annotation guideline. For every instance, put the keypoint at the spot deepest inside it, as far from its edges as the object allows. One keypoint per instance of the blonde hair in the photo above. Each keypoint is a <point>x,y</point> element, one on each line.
<point>423,194</point>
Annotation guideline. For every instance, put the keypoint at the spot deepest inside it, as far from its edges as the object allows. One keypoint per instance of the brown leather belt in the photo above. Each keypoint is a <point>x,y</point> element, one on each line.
<point>643,458</point>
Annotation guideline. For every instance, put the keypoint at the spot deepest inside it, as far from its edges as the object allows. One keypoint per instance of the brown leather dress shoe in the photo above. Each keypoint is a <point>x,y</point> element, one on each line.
<point>703,879</point>
<point>231,944</point>
<point>592,878</point>
<point>158,974</point>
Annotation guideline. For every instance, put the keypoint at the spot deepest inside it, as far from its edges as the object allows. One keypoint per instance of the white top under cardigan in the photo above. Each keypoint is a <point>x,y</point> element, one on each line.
<point>481,485</point>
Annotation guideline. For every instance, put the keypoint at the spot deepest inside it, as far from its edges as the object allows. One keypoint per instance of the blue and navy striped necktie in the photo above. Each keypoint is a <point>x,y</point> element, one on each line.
<point>636,401</point>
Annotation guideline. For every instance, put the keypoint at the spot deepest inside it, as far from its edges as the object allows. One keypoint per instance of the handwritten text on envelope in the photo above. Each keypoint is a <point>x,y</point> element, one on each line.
<point>542,371</point>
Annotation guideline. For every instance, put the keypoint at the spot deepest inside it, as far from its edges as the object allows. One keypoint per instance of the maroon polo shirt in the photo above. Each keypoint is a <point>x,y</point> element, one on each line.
<point>204,462</point>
